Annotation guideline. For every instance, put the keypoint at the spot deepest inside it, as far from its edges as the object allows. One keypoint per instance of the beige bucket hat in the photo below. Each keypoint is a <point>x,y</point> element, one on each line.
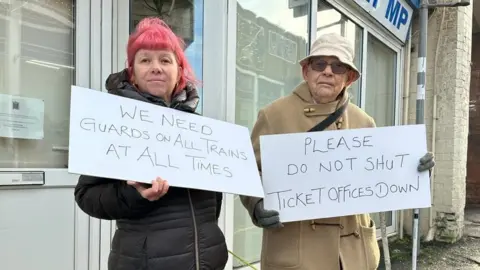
<point>333,44</point>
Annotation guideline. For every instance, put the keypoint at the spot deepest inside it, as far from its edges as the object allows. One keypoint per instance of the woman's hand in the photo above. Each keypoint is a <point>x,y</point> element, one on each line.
<point>158,189</point>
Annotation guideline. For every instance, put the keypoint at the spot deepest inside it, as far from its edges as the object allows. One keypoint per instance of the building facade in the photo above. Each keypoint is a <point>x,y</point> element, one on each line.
<point>473,172</point>
<point>246,54</point>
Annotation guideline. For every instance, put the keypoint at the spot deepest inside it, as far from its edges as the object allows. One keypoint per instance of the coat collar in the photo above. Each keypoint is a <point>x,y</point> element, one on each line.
<point>313,109</point>
<point>185,100</point>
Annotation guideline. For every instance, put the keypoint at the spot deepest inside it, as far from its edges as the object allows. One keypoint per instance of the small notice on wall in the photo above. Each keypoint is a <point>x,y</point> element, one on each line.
<point>126,139</point>
<point>21,117</point>
<point>338,173</point>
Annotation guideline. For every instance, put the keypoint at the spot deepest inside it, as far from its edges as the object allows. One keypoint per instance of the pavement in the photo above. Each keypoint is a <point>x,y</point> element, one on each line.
<point>462,255</point>
<point>472,222</point>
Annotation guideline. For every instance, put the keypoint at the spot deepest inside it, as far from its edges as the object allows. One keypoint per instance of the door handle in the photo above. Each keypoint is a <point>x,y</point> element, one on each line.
<point>60,148</point>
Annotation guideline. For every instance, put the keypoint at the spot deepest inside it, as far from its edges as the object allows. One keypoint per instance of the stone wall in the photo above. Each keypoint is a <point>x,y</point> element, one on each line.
<point>448,81</point>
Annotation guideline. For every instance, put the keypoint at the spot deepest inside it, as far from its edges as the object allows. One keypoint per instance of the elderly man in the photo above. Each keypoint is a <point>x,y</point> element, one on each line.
<point>321,102</point>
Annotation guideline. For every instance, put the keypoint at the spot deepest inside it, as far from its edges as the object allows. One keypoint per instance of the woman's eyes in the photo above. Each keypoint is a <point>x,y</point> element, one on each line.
<point>163,61</point>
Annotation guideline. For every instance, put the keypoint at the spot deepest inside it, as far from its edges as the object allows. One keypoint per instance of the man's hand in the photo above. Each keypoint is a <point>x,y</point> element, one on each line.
<point>157,190</point>
<point>427,162</point>
<point>267,219</point>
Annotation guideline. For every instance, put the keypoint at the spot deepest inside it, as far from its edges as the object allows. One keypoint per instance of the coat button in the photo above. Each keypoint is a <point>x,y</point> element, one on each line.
<point>308,110</point>
<point>356,234</point>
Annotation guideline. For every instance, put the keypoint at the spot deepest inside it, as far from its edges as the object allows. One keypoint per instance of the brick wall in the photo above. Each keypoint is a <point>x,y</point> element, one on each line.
<point>473,161</point>
<point>448,79</point>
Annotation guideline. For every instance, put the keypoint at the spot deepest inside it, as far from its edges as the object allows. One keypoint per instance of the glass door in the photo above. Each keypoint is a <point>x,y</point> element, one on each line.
<point>45,47</point>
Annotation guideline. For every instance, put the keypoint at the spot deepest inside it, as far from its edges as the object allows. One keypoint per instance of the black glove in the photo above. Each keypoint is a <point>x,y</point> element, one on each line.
<point>267,219</point>
<point>427,162</point>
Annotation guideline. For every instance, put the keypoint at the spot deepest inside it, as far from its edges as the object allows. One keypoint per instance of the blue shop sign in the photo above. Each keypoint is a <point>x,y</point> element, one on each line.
<point>395,15</point>
<point>415,3</point>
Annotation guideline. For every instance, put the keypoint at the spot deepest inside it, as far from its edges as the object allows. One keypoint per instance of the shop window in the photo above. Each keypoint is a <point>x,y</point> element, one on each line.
<point>381,91</point>
<point>272,37</point>
<point>330,20</point>
<point>185,18</point>
<point>381,82</point>
<point>36,71</point>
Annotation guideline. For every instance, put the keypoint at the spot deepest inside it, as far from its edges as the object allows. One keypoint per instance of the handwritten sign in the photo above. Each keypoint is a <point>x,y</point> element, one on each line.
<point>338,173</point>
<point>126,139</point>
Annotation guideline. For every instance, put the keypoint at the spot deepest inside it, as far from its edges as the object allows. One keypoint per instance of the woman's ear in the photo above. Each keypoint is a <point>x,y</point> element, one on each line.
<point>180,73</point>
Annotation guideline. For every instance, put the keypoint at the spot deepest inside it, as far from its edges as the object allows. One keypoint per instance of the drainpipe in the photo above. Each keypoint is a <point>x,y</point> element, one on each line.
<point>406,97</point>
<point>421,80</point>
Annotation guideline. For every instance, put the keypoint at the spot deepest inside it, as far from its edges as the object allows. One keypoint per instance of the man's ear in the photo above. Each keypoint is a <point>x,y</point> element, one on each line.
<point>304,71</point>
<point>350,78</point>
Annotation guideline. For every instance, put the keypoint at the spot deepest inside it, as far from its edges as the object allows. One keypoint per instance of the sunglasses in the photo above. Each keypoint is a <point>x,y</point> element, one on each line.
<point>337,67</point>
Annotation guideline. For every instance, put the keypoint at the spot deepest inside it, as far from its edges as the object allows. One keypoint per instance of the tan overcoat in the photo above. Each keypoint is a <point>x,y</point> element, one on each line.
<point>316,244</point>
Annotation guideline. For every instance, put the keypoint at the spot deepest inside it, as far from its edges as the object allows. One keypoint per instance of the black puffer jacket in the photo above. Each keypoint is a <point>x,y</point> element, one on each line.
<point>177,232</point>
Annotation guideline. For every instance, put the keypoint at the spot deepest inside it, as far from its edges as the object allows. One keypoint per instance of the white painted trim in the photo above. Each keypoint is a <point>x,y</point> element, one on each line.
<point>363,92</point>
<point>230,63</point>
<point>82,43</point>
<point>231,60</point>
<point>95,83</point>
<point>82,78</point>
<point>106,70</point>
<point>106,41</point>
<point>400,84</point>
<point>215,78</point>
<point>214,59</point>
<point>95,45</point>
<point>313,21</point>
<point>121,28</point>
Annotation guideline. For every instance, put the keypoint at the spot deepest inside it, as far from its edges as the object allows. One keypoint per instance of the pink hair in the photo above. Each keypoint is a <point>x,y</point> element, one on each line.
<point>154,34</point>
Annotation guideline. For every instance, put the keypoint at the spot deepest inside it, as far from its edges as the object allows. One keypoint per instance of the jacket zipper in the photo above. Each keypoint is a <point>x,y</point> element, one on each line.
<point>197,262</point>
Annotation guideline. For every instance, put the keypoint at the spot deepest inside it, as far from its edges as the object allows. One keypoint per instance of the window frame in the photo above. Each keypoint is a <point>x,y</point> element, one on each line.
<point>369,26</point>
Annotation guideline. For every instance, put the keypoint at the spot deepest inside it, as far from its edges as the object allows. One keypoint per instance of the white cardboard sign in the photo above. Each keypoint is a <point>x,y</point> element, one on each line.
<point>126,139</point>
<point>338,173</point>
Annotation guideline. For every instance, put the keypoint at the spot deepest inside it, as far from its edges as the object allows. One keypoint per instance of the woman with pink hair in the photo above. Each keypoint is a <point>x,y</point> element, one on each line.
<point>158,227</point>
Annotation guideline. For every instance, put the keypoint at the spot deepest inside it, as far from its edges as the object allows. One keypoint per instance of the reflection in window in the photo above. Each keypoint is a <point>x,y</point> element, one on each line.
<point>380,91</point>
<point>185,18</point>
<point>381,79</point>
<point>271,39</point>
<point>36,71</point>
<point>330,20</point>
